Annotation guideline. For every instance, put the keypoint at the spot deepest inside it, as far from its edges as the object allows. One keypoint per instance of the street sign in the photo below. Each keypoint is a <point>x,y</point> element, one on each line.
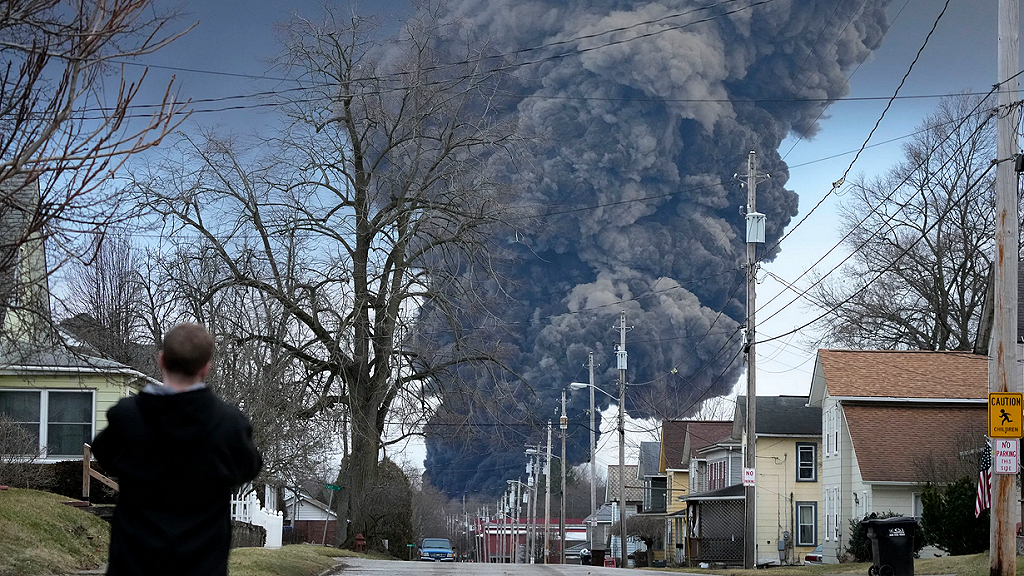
<point>1005,456</point>
<point>332,487</point>
<point>1004,414</point>
<point>748,476</point>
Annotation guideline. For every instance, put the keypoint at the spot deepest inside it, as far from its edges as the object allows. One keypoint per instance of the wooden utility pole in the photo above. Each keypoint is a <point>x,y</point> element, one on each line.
<point>547,501</point>
<point>593,450</point>
<point>1003,372</point>
<point>755,235</point>
<point>620,360</point>
<point>563,424</point>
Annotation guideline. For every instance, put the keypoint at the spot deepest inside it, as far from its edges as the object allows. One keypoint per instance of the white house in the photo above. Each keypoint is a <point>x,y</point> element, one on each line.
<point>889,418</point>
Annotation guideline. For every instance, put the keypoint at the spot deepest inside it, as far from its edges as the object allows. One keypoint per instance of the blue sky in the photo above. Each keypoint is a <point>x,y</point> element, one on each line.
<point>960,55</point>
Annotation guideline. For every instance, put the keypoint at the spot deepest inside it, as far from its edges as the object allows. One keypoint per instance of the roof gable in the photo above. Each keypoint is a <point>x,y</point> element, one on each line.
<point>681,439</point>
<point>900,374</point>
<point>634,487</point>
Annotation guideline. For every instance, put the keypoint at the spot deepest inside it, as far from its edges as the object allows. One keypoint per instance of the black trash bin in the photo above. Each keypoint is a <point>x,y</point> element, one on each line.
<point>597,557</point>
<point>892,545</point>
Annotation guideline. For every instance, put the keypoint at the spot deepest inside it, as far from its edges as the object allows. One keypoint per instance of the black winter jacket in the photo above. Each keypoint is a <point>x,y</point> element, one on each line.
<point>177,459</point>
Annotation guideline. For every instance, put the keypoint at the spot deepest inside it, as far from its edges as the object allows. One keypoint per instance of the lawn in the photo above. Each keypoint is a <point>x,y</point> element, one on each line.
<point>39,535</point>
<point>972,565</point>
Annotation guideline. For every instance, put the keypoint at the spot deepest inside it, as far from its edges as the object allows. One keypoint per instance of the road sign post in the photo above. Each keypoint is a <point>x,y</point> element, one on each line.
<point>330,504</point>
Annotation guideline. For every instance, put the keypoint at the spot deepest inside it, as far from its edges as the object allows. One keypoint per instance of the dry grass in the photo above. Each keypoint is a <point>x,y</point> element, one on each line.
<point>972,565</point>
<point>298,560</point>
<point>41,535</point>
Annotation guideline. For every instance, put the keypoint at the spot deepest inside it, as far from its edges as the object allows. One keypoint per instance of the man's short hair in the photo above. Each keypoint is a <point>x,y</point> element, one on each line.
<point>187,348</point>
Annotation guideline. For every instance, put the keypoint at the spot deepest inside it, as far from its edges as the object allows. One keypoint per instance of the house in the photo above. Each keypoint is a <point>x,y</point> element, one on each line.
<point>787,443</point>
<point>890,421</point>
<point>681,460</point>
<point>787,483</point>
<point>655,484</point>
<point>309,520</point>
<point>60,397</point>
<point>600,523</point>
<point>680,441</point>
<point>50,387</point>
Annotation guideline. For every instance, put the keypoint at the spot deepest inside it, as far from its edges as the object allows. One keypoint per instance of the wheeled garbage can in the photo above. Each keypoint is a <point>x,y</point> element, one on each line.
<point>892,545</point>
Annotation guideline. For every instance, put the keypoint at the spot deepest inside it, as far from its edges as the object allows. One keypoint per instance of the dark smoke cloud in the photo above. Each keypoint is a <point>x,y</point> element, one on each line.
<point>651,129</point>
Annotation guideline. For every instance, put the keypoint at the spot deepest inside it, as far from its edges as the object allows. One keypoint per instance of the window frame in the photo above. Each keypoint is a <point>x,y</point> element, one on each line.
<point>43,433</point>
<point>801,447</point>
<point>814,522</point>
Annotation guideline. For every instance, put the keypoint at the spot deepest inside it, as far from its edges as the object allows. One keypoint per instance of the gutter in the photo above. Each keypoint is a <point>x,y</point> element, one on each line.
<point>900,400</point>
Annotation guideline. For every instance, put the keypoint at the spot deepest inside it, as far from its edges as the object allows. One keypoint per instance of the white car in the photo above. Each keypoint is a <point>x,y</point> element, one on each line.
<point>814,556</point>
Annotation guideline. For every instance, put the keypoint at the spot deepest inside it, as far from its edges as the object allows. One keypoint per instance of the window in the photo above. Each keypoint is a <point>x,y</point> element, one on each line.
<point>718,475</point>
<point>806,523</point>
<point>806,462</point>
<point>827,426</point>
<point>918,506</point>
<point>835,513</point>
<point>61,420</point>
<point>835,430</point>
<point>828,514</point>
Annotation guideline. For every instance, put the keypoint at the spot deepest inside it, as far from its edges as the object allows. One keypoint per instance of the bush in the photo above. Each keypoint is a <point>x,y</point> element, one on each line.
<point>859,546</point>
<point>948,521</point>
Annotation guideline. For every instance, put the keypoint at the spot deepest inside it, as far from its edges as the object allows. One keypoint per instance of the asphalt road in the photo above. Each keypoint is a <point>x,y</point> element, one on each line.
<point>363,567</point>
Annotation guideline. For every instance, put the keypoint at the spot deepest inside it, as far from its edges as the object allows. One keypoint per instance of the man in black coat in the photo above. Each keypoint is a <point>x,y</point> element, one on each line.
<point>177,452</point>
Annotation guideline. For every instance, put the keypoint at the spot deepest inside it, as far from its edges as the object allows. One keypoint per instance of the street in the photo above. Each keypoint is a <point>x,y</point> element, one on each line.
<point>361,567</point>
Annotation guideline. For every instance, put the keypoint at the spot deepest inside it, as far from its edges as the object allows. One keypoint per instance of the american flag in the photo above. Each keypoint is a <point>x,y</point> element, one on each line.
<point>984,499</point>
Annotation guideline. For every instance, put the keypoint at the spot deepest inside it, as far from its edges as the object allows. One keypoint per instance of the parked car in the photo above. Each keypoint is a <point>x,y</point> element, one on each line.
<point>436,550</point>
<point>814,556</point>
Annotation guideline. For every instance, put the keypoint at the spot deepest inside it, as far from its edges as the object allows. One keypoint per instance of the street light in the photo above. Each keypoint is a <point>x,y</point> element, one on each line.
<point>622,455</point>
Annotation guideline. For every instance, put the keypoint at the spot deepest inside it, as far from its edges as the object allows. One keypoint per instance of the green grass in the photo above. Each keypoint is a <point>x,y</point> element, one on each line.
<point>297,560</point>
<point>41,535</point>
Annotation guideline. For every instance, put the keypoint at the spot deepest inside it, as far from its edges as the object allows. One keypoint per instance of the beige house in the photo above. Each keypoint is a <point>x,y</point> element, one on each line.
<point>680,442</point>
<point>788,440</point>
<point>890,420</point>
<point>51,386</point>
<point>788,488</point>
<point>60,397</point>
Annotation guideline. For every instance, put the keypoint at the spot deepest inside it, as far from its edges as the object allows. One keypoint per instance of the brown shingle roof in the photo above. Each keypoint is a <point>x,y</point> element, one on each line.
<point>702,433</point>
<point>894,443</point>
<point>904,374</point>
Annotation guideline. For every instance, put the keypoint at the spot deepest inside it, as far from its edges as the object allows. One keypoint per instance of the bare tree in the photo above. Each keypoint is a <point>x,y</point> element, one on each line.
<point>105,300</point>
<point>920,237</point>
<point>19,447</point>
<point>62,136</point>
<point>377,204</point>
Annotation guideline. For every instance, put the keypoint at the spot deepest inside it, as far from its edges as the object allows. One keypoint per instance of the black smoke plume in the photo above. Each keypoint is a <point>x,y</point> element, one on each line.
<point>648,110</point>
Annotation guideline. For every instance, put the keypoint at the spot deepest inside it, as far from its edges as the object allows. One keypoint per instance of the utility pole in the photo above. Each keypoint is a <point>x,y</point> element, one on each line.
<point>620,360</point>
<point>563,424</point>
<point>755,235</point>
<point>593,449</point>
<point>1003,372</point>
<point>529,507</point>
<point>547,501</point>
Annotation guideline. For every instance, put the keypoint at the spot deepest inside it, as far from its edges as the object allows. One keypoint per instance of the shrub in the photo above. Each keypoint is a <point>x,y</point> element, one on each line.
<point>859,546</point>
<point>948,520</point>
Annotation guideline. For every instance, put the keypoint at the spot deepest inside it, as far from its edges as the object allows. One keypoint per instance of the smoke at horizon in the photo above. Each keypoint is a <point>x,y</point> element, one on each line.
<point>645,128</point>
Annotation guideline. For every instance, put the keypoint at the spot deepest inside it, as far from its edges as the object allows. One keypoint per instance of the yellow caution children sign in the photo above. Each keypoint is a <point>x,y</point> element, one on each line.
<point>1004,414</point>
